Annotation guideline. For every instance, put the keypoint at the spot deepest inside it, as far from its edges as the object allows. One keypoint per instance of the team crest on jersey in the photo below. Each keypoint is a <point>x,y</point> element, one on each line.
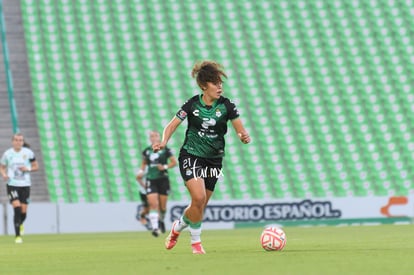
<point>218,113</point>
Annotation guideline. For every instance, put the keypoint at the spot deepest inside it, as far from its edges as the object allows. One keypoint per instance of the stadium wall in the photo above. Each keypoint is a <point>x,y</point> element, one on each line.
<point>50,218</point>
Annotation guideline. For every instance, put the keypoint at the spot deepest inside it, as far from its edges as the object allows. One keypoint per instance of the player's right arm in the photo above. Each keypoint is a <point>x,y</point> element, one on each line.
<point>3,168</point>
<point>3,172</point>
<point>167,133</point>
<point>173,124</point>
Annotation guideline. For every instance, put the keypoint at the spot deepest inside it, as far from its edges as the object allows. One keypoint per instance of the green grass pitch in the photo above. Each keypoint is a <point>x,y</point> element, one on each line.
<point>385,249</point>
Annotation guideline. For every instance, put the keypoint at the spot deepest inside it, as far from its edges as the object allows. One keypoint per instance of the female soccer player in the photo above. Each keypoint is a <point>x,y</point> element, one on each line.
<point>157,181</point>
<point>15,167</point>
<point>201,155</point>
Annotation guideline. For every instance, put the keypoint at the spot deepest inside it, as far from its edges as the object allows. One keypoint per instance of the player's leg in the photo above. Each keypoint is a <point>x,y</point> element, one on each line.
<point>17,209</point>
<point>164,190</point>
<point>145,214</point>
<point>163,209</point>
<point>152,196</point>
<point>153,212</point>
<point>23,217</point>
<point>209,185</point>
<point>24,196</point>
<point>193,215</point>
<point>143,211</point>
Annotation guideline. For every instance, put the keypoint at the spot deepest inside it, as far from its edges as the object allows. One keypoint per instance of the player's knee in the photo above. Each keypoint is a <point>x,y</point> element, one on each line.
<point>198,202</point>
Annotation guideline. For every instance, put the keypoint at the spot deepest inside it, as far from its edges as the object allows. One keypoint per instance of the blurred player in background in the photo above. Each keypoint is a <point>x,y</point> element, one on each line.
<point>157,181</point>
<point>16,165</point>
<point>201,155</point>
<point>143,208</point>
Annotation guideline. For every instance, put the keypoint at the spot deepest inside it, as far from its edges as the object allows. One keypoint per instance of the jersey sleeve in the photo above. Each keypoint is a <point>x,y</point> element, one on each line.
<point>184,110</point>
<point>144,155</point>
<point>32,156</point>
<point>232,111</point>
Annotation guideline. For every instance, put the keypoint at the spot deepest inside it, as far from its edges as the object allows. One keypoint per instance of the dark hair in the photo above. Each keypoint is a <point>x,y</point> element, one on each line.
<point>208,71</point>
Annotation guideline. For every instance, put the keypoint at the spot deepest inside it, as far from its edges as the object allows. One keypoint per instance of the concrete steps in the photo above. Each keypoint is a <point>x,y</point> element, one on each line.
<point>23,99</point>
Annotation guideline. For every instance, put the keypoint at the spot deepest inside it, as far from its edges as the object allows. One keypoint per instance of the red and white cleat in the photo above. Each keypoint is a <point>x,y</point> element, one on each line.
<point>171,239</point>
<point>198,248</point>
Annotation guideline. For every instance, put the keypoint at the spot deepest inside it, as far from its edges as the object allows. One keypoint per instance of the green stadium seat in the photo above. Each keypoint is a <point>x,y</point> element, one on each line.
<point>324,88</point>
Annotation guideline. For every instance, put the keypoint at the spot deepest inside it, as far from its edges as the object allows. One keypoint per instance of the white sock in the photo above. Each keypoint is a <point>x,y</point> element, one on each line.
<point>153,217</point>
<point>195,235</point>
<point>181,225</point>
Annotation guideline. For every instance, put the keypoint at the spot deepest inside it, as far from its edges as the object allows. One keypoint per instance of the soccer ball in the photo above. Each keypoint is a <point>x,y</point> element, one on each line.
<point>273,239</point>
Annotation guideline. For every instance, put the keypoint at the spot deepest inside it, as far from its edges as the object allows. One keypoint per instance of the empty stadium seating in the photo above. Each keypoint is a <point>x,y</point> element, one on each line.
<point>325,88</point>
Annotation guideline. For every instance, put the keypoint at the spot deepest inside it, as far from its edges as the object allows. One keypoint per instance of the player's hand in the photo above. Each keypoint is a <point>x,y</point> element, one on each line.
<point>157,147</point>
<point>24,169</point>
<point>244,137</point>
<point>5,177</point>
<point>161,167</point>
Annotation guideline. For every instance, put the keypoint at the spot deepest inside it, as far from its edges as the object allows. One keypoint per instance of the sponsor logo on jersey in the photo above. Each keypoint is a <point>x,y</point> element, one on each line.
<point>196,112</point>
<point>154,156</point>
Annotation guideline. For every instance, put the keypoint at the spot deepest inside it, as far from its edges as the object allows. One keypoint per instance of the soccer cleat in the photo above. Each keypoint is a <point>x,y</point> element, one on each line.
<point>156,232</point>
<point>18,240</point>
<point>171,239</point>
<point>198,248</point>
<point>161,225</point>
<point>21,230</point>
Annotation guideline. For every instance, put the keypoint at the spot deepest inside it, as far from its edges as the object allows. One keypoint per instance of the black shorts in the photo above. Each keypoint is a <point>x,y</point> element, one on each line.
<point>160,186</point>
<point>144,199</point>
<point>209,169</point>
<point>19,193</point>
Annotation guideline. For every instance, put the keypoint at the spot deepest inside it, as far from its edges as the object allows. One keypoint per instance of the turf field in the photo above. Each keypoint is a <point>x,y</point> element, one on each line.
<point>386,249</point>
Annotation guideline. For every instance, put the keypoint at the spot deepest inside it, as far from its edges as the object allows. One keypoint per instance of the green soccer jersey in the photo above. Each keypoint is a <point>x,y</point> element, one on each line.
<point>153,159</point>
<point>207,125</point>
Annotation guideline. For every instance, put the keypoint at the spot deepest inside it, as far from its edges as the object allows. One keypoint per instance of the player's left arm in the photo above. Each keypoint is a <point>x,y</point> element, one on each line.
<point>35,165</point>
<point>241,131</point>
<point>172,162</point>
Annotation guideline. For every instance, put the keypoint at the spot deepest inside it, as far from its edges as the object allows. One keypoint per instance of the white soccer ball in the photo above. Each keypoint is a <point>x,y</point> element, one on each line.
<point>273,239</point>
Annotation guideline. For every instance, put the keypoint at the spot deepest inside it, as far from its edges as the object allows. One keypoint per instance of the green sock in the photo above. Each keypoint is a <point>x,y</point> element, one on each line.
<point>186,220</point>
<point>194,225</point>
